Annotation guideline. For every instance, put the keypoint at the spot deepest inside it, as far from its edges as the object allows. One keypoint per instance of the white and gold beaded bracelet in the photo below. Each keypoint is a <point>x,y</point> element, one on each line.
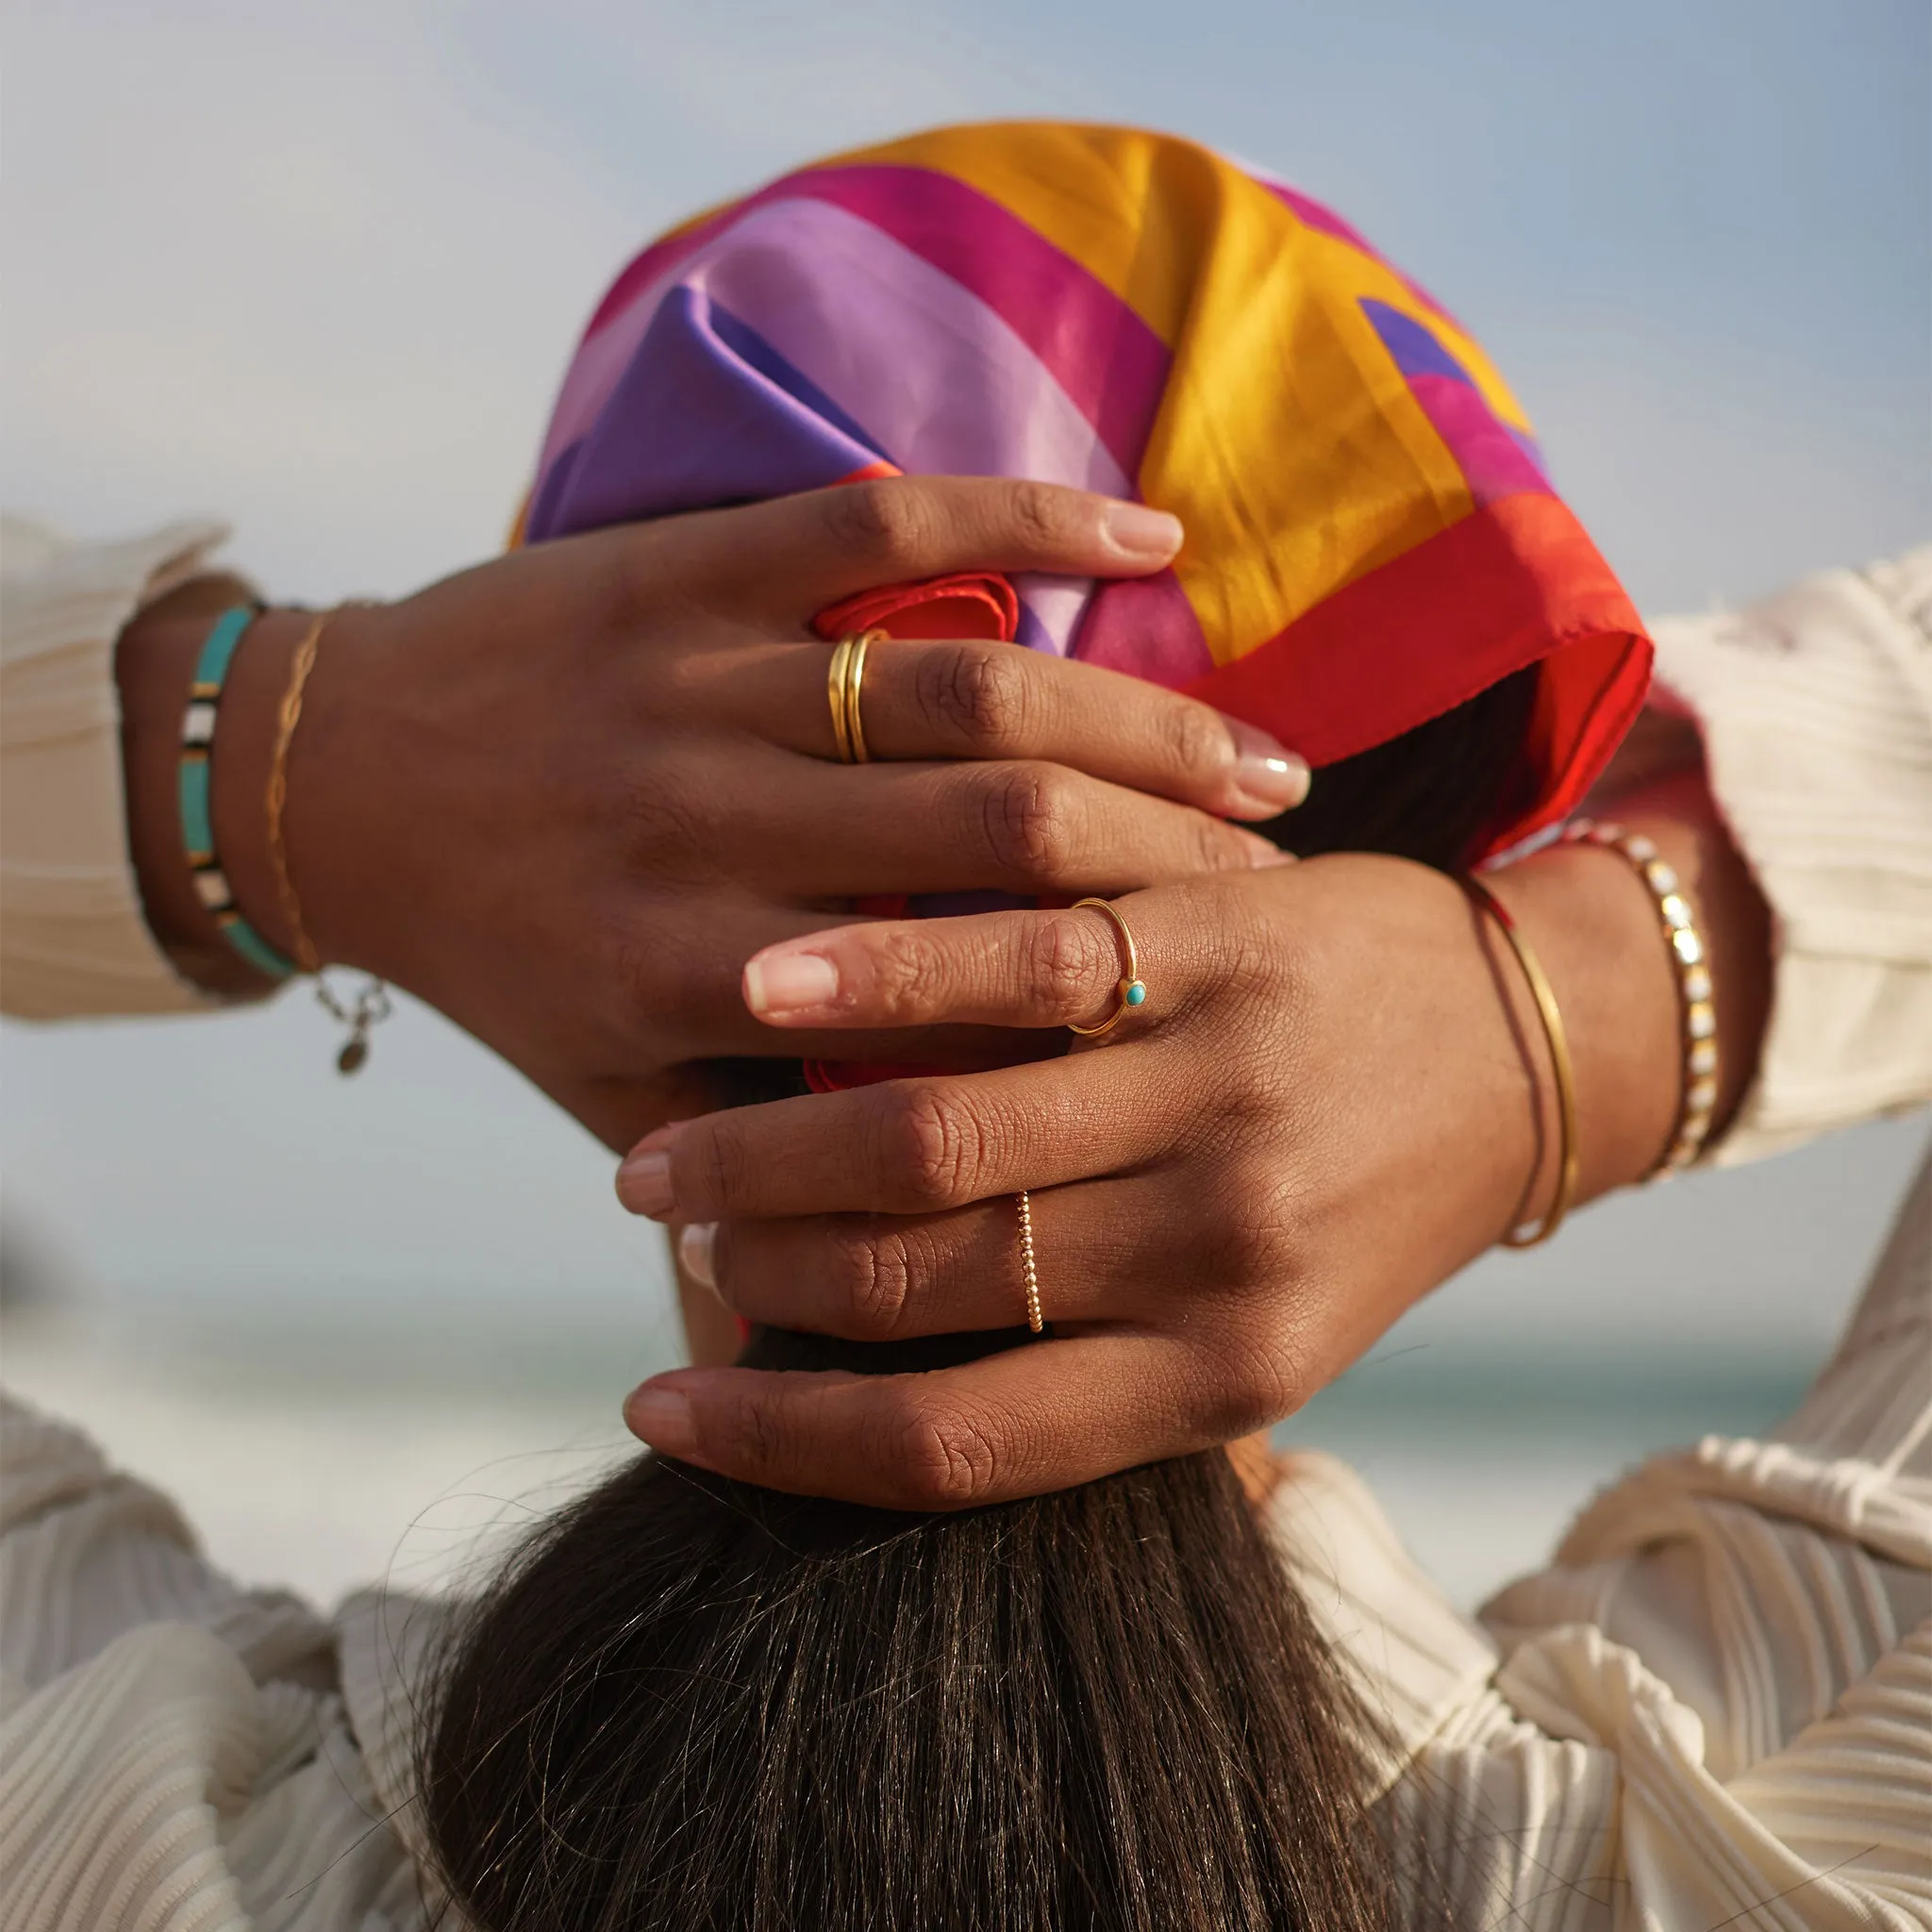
<point>1698,1100</point>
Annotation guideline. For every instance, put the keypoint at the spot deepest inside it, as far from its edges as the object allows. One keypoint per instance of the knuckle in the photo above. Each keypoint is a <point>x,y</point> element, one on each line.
<point>715,1166</point>
<point>1029,823</point>
<point>1259,961</point>
<point>1196,741</point>
<point>751,1427</point>
<point>934,1147</point>
<point>978,694</point>
<point>877,1285</point>
<point>946,1458</point>
<point>900,970</point>
<point>1040,515</point>
<point>1070,958</point>
<point>885,525</point>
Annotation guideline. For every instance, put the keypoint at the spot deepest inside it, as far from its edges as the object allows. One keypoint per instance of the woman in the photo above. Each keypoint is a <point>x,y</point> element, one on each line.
<point>1105,1707</point>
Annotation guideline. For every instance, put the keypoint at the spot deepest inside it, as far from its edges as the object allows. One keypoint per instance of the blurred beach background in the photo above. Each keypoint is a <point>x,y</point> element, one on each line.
<point>316,270</point>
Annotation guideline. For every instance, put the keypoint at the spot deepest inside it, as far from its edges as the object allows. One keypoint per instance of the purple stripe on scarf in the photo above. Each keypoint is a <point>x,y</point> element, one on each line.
<point>939,381</point>
<point>1108,361</point>
<point>704,414</point>
<point>1416,347</point>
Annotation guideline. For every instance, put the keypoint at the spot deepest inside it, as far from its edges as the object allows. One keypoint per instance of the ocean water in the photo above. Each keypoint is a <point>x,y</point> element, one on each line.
<point>329,1449</point>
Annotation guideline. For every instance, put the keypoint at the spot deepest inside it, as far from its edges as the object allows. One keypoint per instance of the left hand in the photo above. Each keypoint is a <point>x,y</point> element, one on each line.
<point>1322,1110</point>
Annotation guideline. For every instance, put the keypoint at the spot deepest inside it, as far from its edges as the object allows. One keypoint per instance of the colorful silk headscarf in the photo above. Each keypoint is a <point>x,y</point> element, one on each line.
<point>1372,538</point>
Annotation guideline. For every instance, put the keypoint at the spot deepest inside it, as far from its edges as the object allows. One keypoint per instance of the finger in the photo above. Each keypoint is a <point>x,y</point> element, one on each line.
<point>701,1005</point>
<point>994,969</point>
<point>988,700</point>
<point>795,555</point>
<point>914,1146</point>
<point>1033,829</point>
<point>881,1278</point>
<point>1034,1418</point>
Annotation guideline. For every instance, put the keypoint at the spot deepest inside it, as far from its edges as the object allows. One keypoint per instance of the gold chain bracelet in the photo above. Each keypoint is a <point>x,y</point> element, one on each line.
<point>372,1002</point>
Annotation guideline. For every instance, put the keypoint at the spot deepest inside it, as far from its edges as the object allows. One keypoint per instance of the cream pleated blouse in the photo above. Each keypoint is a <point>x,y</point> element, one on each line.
<point>1713,1709</point>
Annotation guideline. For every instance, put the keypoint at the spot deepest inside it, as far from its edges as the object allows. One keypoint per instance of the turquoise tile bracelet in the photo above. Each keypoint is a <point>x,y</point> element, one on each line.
<point>197,820</point>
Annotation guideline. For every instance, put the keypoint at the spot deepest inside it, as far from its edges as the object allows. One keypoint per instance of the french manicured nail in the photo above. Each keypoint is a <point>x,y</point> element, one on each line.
<point>1268,776</point>
<point>778,983</point>
<point>696,1243</point>
<point>644,1184</point>
<point>662,1417</point>
<point>1145,535</point>
<point>1263,854</point>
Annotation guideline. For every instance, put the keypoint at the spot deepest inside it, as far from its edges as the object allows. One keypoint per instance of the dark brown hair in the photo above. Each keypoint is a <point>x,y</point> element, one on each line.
<point>689,1704</point>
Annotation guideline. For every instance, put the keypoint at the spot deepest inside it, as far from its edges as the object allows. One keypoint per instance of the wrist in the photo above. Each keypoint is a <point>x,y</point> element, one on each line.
<point>1596,925</point>
<point>1593,927</point>
<point>154,665</point>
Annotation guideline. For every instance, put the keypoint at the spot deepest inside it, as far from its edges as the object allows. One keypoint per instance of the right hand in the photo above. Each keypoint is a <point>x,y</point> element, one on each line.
<point>564,795</point>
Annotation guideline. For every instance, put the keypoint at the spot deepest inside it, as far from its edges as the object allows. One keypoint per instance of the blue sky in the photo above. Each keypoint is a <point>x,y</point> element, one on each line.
<point>317,269</point>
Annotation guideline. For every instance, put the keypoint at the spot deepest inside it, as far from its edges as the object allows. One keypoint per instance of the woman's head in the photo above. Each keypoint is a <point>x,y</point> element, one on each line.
<point>688,1704</point>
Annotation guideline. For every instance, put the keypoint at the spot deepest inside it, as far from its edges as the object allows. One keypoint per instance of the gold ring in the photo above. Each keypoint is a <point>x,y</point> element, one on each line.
<point>1132,989</point>
<point>1029,1272</point>
<point>844,679</point>
<point>834,691</point>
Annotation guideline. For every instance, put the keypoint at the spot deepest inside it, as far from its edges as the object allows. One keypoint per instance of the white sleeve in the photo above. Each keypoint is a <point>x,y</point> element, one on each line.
<point>1815,707</point>
<point>73,938</point>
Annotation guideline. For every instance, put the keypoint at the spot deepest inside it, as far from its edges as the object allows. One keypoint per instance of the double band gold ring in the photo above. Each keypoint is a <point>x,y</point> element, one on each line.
<point>1131,991</point>
<point>845,680</point>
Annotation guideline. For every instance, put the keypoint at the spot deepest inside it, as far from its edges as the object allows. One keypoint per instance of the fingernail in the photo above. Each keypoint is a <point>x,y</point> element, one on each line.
<point>644,1184</point>
<point>696,1239</point>
<point>1262,853</point>
<point>1272,783</point>
<point>788,982</point>
<point>1268,776</point>
<point>1145,535</point>
<point>662,1418</point>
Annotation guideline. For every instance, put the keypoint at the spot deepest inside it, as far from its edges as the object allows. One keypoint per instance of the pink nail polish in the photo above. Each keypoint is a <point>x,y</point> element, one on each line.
<point>780,983</point>
<point>644,1184</point>
<point>662,1418</point>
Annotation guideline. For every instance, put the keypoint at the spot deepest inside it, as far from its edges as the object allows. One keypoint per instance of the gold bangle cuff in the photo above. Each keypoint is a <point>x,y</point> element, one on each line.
<point>1551,1018</point>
